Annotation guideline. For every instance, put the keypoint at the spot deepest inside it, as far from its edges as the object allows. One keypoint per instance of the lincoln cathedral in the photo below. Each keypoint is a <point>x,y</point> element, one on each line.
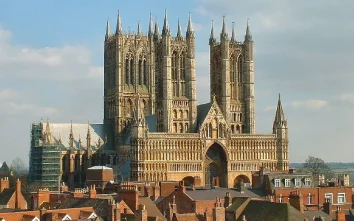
<point>153,127</point>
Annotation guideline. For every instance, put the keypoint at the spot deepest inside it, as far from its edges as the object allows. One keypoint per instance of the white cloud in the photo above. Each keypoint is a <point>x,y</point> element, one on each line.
<point>310,104</point>
<point>347,97</point>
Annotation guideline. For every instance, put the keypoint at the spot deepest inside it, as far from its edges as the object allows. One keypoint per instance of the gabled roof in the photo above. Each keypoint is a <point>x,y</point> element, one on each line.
<point>270,211</point>
<point>6,195</point>
<point>202,112</point>
<point>30,218</point>
<point>100,206</point>
<point>151,207</point>
<point>4,168</point>
<point>236,203</point>
<point>151,122</point>
<point>211,194</point>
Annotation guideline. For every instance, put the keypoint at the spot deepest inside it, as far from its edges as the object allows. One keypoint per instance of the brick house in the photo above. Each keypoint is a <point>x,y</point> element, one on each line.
<point>11,197</point>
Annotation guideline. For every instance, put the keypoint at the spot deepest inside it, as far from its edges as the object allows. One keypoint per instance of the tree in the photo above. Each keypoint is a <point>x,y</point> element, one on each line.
<point>18,167</point>
<point>317,166</point>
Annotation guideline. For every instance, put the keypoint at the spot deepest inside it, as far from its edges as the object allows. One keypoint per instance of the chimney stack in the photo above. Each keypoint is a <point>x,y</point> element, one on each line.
<point>340,214</point>
<point>4,183</point>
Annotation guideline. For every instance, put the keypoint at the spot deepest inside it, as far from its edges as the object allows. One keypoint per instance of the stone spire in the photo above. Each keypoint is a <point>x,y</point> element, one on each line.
<point>223,34</point>
<point>179,31</point>
<point>248,36</point>
<point>212,38</point>
<point>108,30</point>
<point>151,27</point>
<point>233,38</point>
<point>190,30</point>
<point>280,119</point>
<point>166,27</point>
<point>119,25</point>
<point>71,136</point>
<point>88,137</point>
<point>139,31</point>
<point>79,147</point>
<point>157,31</point>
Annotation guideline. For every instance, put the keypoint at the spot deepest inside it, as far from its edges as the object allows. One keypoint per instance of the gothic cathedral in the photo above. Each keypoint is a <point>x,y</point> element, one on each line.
<point>150,104</point>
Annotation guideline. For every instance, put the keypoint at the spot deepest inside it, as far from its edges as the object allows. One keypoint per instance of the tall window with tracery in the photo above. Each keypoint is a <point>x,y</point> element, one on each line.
<point>132,74</point>
<point>174,74</point>
<point>182,71</point>
<point>239,69</point>
<point>233,78</point>
<point>140,68</point>
<point>127,72</point>
<point>145,72</point>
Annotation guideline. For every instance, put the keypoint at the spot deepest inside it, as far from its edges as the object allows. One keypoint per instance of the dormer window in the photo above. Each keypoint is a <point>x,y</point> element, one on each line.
<point>276,182</point>
<point>308,181</point>
<point>297,182</point>
<point>287,182</point>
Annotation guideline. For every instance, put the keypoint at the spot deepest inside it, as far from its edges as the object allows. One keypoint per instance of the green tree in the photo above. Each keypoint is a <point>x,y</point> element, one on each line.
<point>317,166</point>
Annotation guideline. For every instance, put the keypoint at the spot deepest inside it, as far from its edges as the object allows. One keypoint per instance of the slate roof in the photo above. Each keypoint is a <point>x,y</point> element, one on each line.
<point>151,122</point>
<point>257,210</point>
<point>61,132</point>
<point>316,213</point>
<point>202,112</point>
<point>151,208</point>
<point>211,194</point>
<point>6,195</point>
<point>236,203</point>
<point>101,206</point>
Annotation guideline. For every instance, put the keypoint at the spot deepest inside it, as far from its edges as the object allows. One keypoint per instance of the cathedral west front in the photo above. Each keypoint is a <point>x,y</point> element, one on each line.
<point>152,122</point>
<point>150,102</point>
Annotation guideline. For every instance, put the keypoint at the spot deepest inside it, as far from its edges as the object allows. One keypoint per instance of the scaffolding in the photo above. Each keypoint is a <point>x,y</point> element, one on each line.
<point>44,160</point>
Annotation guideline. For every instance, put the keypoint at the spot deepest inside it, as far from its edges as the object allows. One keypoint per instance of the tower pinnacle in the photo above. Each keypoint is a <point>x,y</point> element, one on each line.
<point>233,38</point>
<point>108,30</point>
<point>212,39</point>
<point>223,34</point>
<point>151,27</point>
<point>279,115</point>
<point>248,36</point>
<point>190,31</point>
<point>119,25</point>
<point>179,31</point>
<point>166,27</point>
<point>139,31</point>
<point>157,31</point>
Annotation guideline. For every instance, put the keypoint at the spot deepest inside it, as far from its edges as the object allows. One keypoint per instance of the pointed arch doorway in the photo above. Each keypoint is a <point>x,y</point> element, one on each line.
<point>215,166</point>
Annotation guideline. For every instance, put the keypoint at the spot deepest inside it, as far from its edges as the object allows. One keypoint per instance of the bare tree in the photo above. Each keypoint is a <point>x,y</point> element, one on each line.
<point>317,166</point>
<point>18,167</point>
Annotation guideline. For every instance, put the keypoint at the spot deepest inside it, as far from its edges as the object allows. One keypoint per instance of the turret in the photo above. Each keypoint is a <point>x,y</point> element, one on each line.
<point>191,78</point>
<point>280,124</point>
<point>248,82</point>
<point>166,77</point>
<point>280,129</point>
<point>225,72</point>
<point>119,25</point>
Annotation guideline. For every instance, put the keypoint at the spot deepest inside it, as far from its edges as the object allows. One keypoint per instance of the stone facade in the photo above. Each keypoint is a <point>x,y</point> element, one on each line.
<point>150,103</point>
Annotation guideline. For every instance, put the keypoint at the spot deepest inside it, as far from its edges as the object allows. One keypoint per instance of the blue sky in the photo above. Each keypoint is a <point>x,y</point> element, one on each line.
<point>51,57</point>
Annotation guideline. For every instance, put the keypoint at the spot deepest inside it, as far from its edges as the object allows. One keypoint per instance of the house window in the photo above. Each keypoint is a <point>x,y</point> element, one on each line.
<point>308,181</point>
<point>309,199</point>
<point>287,182</point>
<point>277,183</point>
<point>281,200</point>
<point>297,182</point>
<point>329,197</point>
<point>341,197</point>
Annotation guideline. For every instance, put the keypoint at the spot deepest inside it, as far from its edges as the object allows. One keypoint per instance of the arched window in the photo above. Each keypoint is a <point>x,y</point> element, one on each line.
<point>174,114</point>
<point>132,77</point>
<point>238,129</point>
<point>240,117</point>
<point>186,114</point>
<point>182,71</point>
<point>175,128</point>
<point>145,73</point>
<point>232,129</point>
<point>127,73</point>
<point>185,127</point>
<point>181,128</point>
<point>180,114</point>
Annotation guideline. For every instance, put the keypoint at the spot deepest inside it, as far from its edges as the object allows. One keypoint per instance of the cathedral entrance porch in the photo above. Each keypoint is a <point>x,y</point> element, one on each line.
<point>215,166</point>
